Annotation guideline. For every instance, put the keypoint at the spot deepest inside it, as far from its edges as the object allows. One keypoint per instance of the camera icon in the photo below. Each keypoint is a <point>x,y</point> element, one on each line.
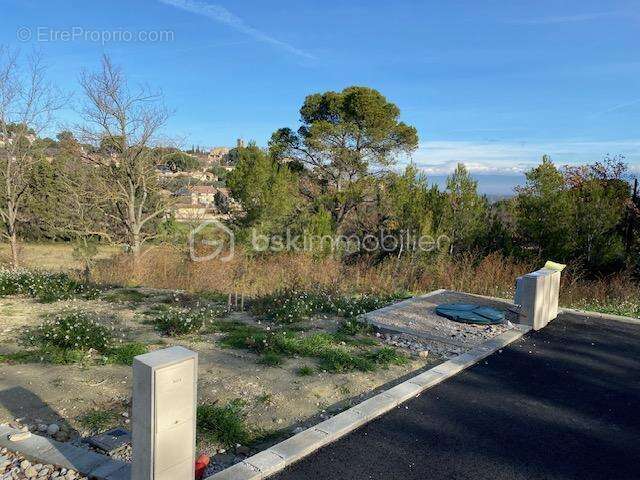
<point>212,233</point>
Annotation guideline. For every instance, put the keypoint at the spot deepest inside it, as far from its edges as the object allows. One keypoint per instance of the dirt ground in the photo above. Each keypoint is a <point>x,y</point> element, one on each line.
<point>276,398</point>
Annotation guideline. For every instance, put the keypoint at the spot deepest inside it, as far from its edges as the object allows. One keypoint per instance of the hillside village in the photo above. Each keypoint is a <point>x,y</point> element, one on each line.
<point>198,190</point>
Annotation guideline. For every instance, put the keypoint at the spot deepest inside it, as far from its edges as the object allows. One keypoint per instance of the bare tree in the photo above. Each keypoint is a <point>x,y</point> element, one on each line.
<point>27,103</point>
<point>121,124</point>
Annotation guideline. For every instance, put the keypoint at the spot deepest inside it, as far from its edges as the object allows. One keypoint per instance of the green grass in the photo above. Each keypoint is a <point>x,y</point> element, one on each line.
<point>125,295</point>
<point>333,356</point>
<point>629,307</point>
<point>120,355</point>
<point>264,398</point>
<point>305,371</point>
<point>123,354</point>
<point>223,424</point>
<point>56,356</point>
<point>271,359</point>
<point>97,421</point>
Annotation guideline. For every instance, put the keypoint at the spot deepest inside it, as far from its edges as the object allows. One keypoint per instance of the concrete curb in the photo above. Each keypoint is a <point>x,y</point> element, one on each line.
<point>47,451</point>
<point>604,316</point>
<point>285,453</point>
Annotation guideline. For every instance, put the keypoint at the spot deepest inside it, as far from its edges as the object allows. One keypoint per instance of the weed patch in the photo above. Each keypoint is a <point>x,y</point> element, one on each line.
<point>74,336</point>
<point>69,330</point>
<point>179,321</point>
<point>333,356</point>
<point>291,306</point>
<point>98,420</point>
<point>125,295</point>
<point>305,371</point>
<point>123,354</point>
<point>223,424</point>
<point>46,287</point>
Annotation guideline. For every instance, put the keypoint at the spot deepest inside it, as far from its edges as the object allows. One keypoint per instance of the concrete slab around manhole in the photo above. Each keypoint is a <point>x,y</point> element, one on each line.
<point>110,441</point>
<point>417,316</point>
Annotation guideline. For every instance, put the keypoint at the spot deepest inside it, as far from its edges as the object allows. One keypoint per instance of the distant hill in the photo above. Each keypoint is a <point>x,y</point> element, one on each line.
<point>494,186</point>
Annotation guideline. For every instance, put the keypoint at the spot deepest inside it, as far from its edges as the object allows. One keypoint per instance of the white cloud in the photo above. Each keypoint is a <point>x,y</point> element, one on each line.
<point>221,15</point>
<point>441,157</point>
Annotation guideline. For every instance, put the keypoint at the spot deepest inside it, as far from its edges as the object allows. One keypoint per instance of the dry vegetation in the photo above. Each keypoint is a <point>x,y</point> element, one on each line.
<point>493,275</point>
<point>169,267</point>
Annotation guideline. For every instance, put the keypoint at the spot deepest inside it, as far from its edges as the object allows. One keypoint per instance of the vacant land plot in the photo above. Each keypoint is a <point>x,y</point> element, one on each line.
<point>274,375</point>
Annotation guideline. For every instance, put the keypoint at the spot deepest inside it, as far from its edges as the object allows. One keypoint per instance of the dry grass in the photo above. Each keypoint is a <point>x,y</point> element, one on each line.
<point>52,256</point>
<point>494,275</point>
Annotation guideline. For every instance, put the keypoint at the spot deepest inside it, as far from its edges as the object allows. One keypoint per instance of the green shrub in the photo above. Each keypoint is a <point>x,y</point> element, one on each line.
<point>353,327</point>
<point>46,287</point>
<point>180,321</point>
<point>123,354</point>
<point>286,306</point>
<point>291,306</point>
<point>223,424</point>
<point>69,330</point>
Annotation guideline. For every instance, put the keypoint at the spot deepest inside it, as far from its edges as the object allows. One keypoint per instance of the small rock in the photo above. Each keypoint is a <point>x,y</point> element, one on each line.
<point>53,429</point>
<point>423,353</point>
<point>61,436</point>
<point>242,450</point>
<point>31,472</point>
<point>24,464</point>
<point>18,437</point>
<point>42,427</point>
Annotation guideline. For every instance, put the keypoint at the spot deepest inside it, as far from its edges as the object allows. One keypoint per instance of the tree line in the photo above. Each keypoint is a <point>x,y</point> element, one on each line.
<point>335,174</point>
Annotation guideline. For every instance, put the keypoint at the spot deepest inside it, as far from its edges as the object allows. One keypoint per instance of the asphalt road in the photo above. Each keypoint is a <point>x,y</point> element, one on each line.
<point>561,403</point>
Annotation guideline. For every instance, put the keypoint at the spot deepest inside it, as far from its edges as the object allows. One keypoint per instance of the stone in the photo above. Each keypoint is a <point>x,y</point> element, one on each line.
<point>242,450</point>
<point>53,429</point>
<point>25,464</point>
<point>31,472</point>
<point>423,353</point>
<point>42,427</point>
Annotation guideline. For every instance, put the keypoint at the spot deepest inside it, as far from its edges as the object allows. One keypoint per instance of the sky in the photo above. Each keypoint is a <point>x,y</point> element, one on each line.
<point>492,84</point>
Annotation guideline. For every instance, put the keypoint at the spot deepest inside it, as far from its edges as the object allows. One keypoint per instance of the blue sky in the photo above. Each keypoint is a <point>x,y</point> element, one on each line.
<point>494,84</point>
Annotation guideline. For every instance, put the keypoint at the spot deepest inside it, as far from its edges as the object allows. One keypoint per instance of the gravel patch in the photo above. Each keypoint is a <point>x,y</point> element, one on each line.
<point>14,466</point>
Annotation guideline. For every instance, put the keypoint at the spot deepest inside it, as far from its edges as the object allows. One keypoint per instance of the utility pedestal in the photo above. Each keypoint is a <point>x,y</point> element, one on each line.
<point>164,414</point>
<point>537,295</point>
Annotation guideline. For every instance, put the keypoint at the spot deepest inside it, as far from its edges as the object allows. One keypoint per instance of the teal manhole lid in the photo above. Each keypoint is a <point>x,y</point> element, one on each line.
<point>470,313</point>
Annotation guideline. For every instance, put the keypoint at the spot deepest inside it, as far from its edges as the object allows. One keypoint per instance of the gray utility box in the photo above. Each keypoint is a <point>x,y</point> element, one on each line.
<point>164,414</point>
<point>537,295</point>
